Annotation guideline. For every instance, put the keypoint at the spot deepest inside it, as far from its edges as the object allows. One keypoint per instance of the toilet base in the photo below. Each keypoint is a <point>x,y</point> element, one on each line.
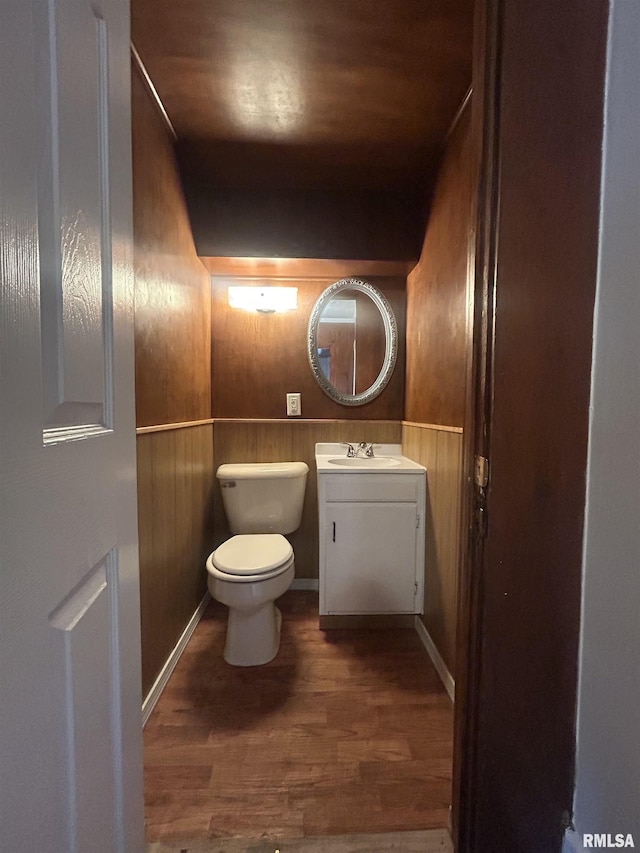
<point>253,636</point>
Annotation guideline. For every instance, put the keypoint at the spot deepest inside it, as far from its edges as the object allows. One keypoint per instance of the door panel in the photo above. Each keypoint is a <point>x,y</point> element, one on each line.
<point>536,267</point>
<point>83,628</point>
<point>74,217</point>
<point>70,731</point>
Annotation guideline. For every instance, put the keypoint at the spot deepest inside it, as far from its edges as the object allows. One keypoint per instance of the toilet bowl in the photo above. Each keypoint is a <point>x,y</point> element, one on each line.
<point>248,573</point>
<point>256,566</point>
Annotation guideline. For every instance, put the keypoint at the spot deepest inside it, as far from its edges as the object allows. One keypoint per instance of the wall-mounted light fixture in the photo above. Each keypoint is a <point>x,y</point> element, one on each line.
<point>266,300</point>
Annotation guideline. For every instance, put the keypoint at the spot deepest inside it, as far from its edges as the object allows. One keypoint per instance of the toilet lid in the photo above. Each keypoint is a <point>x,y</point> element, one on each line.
<point>252,554</point>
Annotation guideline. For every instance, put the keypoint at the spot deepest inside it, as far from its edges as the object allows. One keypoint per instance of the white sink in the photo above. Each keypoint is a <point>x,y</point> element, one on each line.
<point>331,458</point>
<point>365,462</point>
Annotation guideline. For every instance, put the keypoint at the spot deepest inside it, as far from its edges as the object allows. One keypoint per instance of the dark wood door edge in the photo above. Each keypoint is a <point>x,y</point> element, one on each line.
<point>481,267</point>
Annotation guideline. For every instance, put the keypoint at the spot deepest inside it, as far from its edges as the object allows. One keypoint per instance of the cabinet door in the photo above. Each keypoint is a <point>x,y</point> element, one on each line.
<point>370,553</point>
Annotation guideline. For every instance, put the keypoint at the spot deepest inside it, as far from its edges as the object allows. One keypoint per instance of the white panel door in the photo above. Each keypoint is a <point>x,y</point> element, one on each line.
<point>370,554</point>
<point>70,709</point>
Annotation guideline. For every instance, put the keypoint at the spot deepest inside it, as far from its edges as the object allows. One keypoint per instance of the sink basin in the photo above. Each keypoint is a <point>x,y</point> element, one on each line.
<point>331,458</point>
<point>363,462</point>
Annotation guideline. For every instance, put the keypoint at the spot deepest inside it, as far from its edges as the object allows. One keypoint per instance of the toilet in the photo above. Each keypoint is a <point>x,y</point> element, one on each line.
<point>262,501</point>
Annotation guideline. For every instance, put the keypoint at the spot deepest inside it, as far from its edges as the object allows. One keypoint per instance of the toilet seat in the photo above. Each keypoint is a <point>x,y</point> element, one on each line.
<point>251,557</point>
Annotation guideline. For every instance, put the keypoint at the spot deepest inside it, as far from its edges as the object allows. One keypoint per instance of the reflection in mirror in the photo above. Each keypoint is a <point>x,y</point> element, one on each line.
<point>352,341</point>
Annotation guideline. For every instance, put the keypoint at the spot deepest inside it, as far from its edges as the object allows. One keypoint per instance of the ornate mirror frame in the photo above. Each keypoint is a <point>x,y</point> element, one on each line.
<point>391,341</point>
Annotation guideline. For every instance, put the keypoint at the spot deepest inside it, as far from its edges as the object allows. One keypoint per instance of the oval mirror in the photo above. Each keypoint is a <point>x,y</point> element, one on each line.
<point>352,342</point>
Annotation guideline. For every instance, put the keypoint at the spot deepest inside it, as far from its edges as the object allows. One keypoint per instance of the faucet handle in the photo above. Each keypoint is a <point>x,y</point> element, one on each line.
<point>351,451</point>
<point>366,448</point>
<point>370,448</point>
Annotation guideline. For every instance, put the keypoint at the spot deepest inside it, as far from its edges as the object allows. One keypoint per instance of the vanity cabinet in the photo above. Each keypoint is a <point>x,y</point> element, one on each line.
<point>371,542</point>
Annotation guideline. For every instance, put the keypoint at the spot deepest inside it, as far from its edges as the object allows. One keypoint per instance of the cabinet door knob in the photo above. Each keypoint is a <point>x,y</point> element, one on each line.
<point>334,531</point>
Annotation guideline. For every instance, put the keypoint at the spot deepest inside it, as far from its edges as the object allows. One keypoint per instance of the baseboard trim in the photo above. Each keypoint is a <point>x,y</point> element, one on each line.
<point>160,683</point>
<point>441,667</point>
<point>305,583</point>
<point>365,621</point>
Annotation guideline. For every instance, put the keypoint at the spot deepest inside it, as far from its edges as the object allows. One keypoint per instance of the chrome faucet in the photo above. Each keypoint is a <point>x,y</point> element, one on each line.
<point>351,451</point>
<point>365,449</point>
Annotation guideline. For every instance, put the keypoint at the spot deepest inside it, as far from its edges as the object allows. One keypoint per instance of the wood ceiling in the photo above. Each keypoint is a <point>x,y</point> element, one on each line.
<point>308,94</point>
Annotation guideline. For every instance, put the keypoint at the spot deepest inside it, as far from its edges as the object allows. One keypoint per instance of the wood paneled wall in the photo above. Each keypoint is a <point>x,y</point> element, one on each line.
<point>438,340</point>
<point>175,518</point>
<point>258,358</point>
<point>440,451</point>
<point>173,385</point>
<point>172,298</point>
<point>260,441</point>
<point>437,300</point>
<point>329,268</point>
<point>291,223</point>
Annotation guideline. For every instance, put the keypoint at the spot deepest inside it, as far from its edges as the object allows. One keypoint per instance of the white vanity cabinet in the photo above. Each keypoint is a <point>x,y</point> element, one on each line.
<point>371,542</point>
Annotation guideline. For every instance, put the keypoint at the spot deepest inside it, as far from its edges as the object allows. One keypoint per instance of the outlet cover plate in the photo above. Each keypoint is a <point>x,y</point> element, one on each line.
<point>293,405</point>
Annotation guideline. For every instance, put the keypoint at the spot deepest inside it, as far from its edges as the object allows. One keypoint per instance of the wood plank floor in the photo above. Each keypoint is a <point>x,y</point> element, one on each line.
<point>346,731</point>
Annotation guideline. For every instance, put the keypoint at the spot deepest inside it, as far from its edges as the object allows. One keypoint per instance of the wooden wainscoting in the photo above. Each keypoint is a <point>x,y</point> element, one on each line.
<point>439,449</point>
<point>286,441</point>
<point>175,520</point>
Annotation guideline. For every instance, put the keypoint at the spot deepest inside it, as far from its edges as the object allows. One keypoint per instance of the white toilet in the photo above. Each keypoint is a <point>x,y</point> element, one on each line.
<point>250,570</point>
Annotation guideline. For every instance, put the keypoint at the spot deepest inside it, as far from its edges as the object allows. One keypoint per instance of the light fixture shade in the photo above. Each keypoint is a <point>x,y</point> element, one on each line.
<point>266,300</point>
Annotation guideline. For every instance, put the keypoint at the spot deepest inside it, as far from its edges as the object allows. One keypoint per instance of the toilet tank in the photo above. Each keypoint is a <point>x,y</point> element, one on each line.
<point>263,497</point>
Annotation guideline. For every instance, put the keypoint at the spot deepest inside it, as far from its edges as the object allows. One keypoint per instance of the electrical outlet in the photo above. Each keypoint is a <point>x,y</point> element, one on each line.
<point>293,405</point>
